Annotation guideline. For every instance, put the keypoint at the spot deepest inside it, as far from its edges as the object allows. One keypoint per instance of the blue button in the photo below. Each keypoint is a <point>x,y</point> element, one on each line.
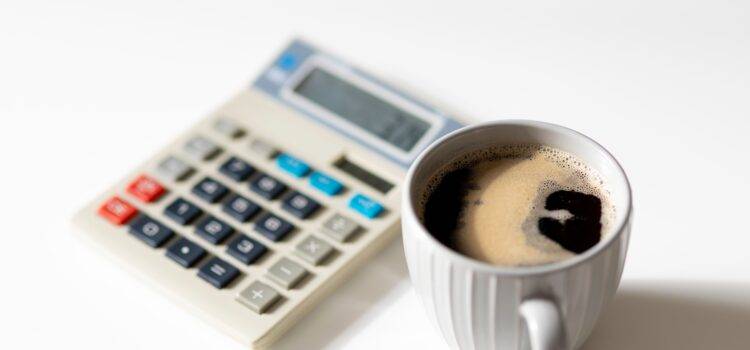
<point>292,165</point>
<point>287,62</point>
<point>325,183</point>
<point>365,206</point>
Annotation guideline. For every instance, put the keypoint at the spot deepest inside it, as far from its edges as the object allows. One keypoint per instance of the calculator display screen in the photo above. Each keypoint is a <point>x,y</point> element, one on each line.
<point>371,113</point>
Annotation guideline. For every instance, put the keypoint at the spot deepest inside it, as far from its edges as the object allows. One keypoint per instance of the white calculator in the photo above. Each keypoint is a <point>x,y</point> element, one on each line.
<point>260,210</point>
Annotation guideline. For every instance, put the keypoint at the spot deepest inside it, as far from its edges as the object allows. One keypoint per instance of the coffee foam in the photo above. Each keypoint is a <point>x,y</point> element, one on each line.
<point>537,171</point>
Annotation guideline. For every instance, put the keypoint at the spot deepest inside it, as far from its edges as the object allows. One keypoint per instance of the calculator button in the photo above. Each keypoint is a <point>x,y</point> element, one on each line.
<point>240,208</point>
<point>218,272</point>
<point>245,249</point>
<point>325,183</point>
<point>174,169</point>
<point>213,230</point>
<point>273,227</point>
<point>182,211</point>
<point>286,273</point>
<point>146,189</point>
<point>228,128</point>
<point>117,211</point>
<point>258,296</point>
<point>267,186</point>
<point>292,165</point>
<point>185,252</point>
<point>300,205</point>
<point>339,227</point>
<point>236,169</point>
<point>365,206</point>
<point>150,231</point>
<point>201,148</point>
<point>210,190</point>
<point>314,250</point>
<point>263,148</point>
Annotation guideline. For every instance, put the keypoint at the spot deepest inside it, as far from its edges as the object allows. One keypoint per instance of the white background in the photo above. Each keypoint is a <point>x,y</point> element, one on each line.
<point>89,89</point>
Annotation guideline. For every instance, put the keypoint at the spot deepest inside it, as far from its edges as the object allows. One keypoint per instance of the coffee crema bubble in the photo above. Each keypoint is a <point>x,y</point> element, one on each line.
<point>517,205</point>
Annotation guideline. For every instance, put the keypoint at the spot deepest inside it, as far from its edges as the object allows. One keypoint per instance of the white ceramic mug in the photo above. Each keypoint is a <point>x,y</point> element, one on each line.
<point>476,305</point>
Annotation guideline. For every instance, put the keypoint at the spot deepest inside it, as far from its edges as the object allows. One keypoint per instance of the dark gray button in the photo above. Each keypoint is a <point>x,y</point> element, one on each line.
<point>314,250</point>
<point>213,230</point>
<point>339,227</point>
<point>286,273</point>
<point>273,227</point>
<point>240,208</point>
<point>210,190</point>
<point>218,272</point>
<point>267,186</point>
<point>174,169</point>
<point>245,249</point>
<point>258,296</point>
<point>150,231</point>
<point>185,252</point>
<point>182,211</point>
<point>201,148</point>
<point>236,169</point>
<point>300,205</point>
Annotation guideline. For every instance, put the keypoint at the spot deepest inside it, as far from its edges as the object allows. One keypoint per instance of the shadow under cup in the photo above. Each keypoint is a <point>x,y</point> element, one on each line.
<point>475,304</point>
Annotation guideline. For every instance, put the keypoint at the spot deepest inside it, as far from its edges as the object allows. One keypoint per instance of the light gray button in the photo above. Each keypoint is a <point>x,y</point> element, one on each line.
<point>201,148</point>
<point>228,128</point>
<point>339,227</point>
<point>286,273</point>
<point>258,296</point>
<point>263,148</point>
<point>174,169</point>
<point>314,250</point>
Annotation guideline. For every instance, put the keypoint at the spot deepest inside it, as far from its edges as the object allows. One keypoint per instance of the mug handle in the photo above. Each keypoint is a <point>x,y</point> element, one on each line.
<point>544,324</point>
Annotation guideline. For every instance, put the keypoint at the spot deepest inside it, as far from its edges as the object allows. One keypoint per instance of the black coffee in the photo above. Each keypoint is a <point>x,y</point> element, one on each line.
<point>517,205</point>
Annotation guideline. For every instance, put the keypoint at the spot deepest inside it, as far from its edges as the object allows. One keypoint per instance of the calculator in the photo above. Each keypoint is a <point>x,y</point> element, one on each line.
<point>251,217</point>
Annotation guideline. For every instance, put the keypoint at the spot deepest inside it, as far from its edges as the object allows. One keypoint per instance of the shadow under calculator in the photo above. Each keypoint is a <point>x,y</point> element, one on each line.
<point>675,316</point>
<point>384,276</point>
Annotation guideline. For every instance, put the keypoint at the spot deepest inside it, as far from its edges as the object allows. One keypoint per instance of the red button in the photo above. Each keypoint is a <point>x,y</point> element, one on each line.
<point>117,211</point>
<point>146,189</point>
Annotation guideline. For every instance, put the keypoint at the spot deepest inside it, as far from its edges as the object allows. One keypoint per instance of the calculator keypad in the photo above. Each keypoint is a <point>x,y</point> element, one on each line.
<point>224,263</point>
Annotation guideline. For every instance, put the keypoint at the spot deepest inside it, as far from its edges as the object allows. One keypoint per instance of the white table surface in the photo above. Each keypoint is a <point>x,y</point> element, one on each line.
<point>89,89</point>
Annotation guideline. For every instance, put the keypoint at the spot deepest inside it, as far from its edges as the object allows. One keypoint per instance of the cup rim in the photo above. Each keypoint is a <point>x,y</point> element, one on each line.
<point>618,227</point>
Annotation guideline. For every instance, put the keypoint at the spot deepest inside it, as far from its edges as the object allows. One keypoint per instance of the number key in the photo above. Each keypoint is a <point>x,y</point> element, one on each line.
<point>240,208</point>
<point>150,231</point>
<point>267,186</point>
<point>245,249</point>
<point>300,205</point>
<point>237,169</point>
<point>273,227</point>
<point>182,211</point>
<point>213,230</point>
<point>210,190</point>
